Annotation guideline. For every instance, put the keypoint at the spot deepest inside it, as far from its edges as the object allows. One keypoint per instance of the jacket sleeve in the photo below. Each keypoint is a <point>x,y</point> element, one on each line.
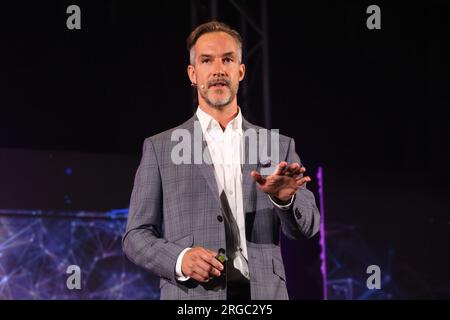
<point>143,242</point>
<point>303,217</point>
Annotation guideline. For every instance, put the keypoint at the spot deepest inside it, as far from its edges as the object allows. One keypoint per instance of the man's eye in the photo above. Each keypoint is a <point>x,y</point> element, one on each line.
<point>227,60</point>
<point>206,61</point>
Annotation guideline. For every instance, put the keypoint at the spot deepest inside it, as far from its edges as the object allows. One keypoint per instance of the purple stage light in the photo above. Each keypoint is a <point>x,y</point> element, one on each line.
<point>323,267</point>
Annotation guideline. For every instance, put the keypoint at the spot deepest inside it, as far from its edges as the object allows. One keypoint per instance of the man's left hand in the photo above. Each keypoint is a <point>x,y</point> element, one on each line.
<point>284,182</point>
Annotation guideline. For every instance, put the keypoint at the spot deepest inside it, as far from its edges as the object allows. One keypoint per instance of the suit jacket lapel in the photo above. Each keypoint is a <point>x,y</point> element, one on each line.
<point>248,184</point>
<point>205,168</point>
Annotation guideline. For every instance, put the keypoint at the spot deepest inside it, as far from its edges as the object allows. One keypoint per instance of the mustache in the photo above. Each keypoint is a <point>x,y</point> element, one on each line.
<point>222,80</point>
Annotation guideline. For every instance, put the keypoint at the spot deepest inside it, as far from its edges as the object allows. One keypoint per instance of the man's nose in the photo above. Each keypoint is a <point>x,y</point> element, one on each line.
<point>218,68</point>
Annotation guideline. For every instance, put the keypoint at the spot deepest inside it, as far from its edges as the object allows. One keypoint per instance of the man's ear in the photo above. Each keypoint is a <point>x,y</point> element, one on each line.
<point>241,71</point>
<point>191,74</point>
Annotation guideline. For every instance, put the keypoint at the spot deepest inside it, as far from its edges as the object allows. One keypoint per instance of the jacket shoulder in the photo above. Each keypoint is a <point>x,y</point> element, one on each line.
<point>284,140</point>
<point>166,135</point>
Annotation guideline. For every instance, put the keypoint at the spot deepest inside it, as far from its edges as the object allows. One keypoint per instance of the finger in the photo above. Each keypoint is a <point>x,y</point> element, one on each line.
<point>293,169</point>
<point>216,263</point>
<point>210,252</point>
<point>213,262</point>
<point>302,181</point>
<point>305,178</point>
<point>210,260</point>
<point>289,170</point>
<point>281,167</point>
<point>257,177</point>
<point>209,269</point>
<point>299,173</point>
<point>199,277</point>
<point>201,270</point>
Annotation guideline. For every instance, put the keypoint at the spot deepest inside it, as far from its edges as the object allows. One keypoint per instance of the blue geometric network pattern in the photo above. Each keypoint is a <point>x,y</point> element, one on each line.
<point>37,247</point>
<point>348,256</point>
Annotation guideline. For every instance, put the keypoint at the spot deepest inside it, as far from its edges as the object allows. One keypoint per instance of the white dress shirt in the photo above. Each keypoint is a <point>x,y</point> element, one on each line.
<point>226,150</point>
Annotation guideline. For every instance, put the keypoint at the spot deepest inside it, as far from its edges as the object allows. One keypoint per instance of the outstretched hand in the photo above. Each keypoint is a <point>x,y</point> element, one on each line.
<point>284,182</point>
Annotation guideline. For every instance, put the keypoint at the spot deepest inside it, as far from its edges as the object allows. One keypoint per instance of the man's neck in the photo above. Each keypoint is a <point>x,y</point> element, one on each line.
<point>223,115</point>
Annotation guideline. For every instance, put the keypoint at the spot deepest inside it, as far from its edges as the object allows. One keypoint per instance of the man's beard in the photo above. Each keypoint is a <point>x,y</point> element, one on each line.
<point>219,102</point>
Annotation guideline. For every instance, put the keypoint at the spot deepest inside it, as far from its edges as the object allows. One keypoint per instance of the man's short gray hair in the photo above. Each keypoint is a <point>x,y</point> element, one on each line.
<point>208,27</point>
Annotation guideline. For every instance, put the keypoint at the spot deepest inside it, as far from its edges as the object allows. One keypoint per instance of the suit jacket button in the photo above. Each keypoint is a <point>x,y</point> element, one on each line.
<point>220,218</point>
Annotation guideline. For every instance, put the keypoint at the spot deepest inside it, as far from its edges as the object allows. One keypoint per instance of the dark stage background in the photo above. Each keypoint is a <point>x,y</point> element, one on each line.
<point>371,107</point>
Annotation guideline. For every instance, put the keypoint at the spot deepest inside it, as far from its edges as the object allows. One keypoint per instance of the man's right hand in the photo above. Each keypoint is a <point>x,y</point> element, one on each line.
<point>200,264</point>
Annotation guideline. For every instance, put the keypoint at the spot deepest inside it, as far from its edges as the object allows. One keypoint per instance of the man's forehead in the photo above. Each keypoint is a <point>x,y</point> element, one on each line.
<point>216,43</point>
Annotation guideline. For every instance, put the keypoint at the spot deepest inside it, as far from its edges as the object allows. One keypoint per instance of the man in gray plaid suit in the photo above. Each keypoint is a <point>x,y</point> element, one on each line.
<point>203,215</point>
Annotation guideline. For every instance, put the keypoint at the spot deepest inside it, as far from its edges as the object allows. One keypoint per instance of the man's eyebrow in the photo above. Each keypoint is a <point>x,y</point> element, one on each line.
<point>227,54</point>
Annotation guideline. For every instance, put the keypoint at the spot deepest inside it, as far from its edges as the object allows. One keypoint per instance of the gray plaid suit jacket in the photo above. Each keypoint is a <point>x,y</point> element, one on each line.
<point>173,207</point>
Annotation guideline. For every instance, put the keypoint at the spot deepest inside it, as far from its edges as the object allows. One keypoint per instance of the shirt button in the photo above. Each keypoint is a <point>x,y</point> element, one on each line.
<point>220,218</point>
<point>230,193</point>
